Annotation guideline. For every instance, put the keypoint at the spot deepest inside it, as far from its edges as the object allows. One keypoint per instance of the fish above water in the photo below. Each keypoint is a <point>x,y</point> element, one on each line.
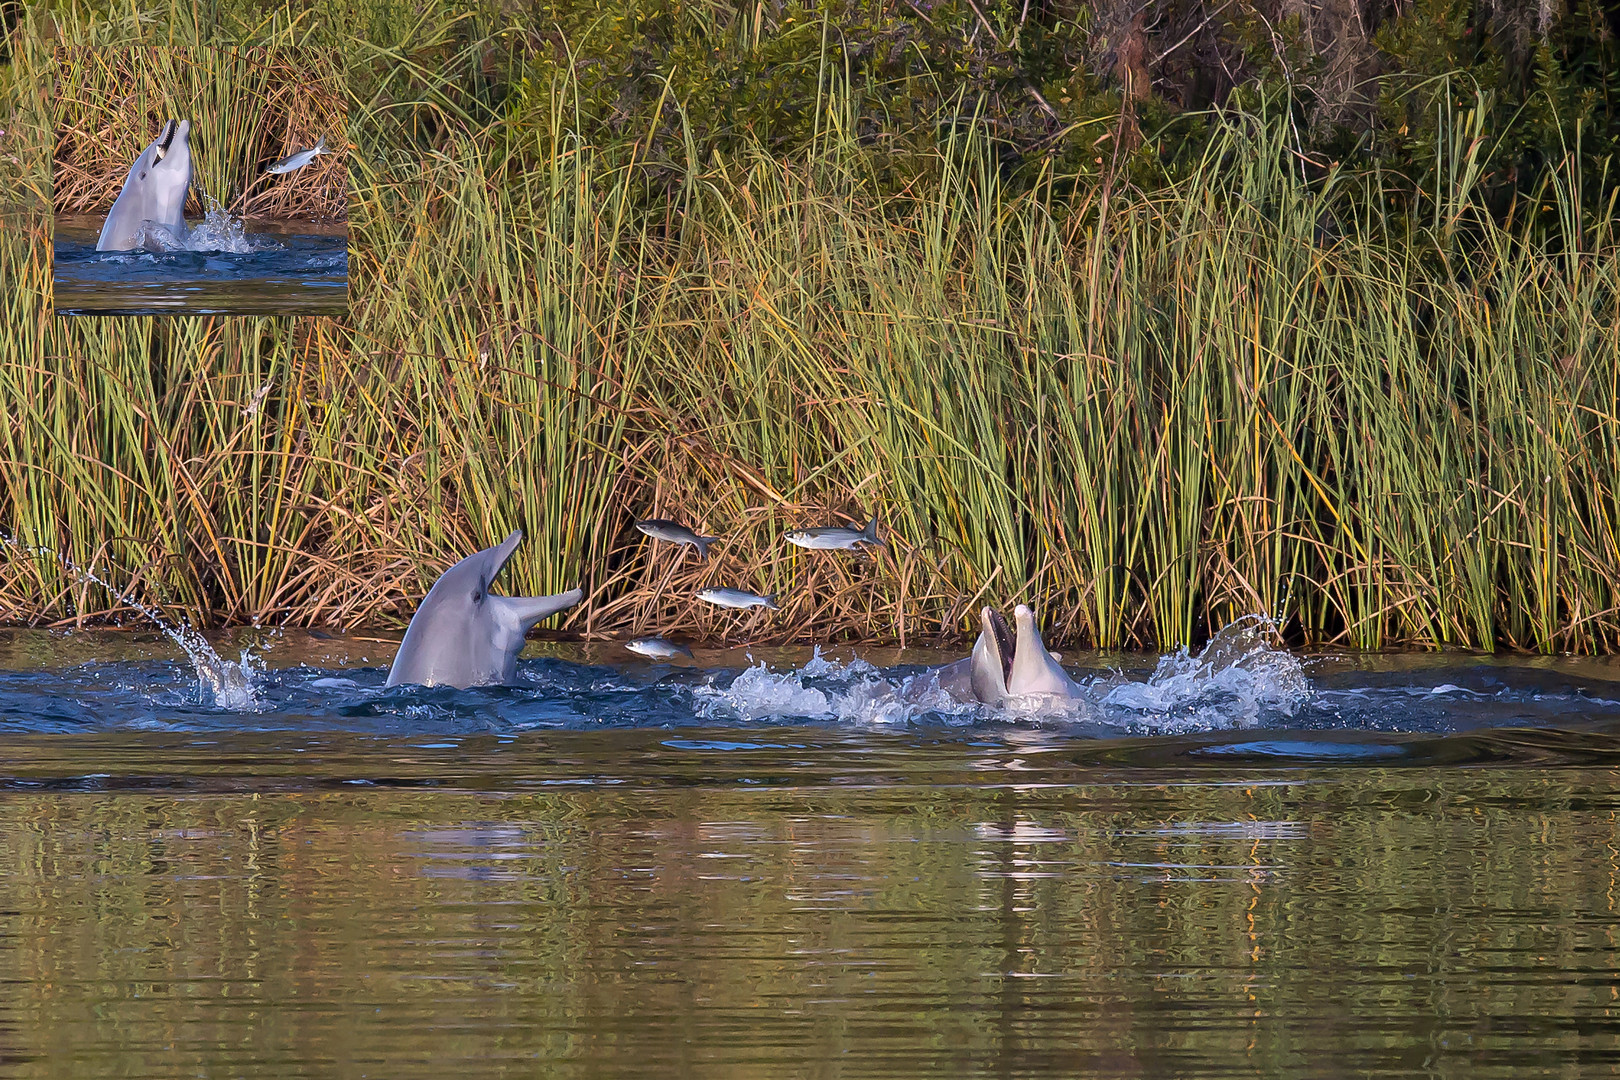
<point>836,537</point>
<point>673,532</point>
<point>298,158</point>
<point>656,648</point>
<point>738,598</point>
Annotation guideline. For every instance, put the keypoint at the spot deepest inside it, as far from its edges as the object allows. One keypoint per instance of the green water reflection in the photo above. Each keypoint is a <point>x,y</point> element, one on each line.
<point>809,921</point>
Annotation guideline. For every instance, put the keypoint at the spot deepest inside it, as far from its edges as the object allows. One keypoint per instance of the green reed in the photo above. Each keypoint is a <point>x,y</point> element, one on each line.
<point>1145,412</point>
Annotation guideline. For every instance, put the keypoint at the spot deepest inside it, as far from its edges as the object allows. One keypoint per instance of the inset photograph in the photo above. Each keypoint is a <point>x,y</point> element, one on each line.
<point>195,181</point>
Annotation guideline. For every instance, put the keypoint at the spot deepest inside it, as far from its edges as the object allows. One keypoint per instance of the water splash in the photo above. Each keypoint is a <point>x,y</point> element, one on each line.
<point>233,685</point>
<point>824,689</point>
<point>1237,680</point>
<point>218,231</point>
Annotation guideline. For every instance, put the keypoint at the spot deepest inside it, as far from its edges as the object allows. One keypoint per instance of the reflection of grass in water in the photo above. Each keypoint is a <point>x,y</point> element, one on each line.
<point>1146,412</point>
<point>1261,910</point>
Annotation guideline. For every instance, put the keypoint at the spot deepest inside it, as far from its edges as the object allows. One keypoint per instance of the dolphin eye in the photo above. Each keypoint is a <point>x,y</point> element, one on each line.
<point>478,595</point>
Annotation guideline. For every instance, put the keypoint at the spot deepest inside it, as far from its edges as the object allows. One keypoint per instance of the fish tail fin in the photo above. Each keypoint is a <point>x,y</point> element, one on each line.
<point>320,145</point>
<point>770,601</point>
<point>870,536</point>
<point>703,543</point>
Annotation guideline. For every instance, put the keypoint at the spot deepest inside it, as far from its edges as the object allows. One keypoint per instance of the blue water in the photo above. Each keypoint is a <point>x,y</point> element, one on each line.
<point>1217,708</point>
<point>257,267</point>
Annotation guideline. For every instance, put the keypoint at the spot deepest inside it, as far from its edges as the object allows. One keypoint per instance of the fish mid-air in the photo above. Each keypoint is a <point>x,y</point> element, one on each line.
<point>673,532</point>
<point>298,158</point>
<point>462,635</point>
<point>154,191</point>
<point>836,537</point>
<point>656,648</point>
<point>738,598</point>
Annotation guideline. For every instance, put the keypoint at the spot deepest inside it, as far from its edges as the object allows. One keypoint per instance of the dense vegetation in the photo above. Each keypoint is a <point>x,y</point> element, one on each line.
<point>1084,326</point>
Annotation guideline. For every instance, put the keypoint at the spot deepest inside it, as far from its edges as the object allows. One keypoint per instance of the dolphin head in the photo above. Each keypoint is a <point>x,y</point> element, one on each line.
<point>992,660</point>
<point>169,175</point>
<point>1033,669</point>
<point>462,635</point>
<point>155,189</point>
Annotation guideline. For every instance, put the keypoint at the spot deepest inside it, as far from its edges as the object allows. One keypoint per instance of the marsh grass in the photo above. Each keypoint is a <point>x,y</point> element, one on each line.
<point>1146,413</point>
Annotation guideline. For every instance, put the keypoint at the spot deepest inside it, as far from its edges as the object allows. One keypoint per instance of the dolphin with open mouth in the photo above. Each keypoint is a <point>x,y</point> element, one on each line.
<point>154,191</point>
<point>1008,665</point>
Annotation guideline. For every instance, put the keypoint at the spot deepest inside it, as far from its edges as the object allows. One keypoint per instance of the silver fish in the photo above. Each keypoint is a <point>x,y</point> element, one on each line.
<point>738,598</point>
<point>298,158</point>
<point>674,532</point>
<point>836,537</point>
<point>656,648</point>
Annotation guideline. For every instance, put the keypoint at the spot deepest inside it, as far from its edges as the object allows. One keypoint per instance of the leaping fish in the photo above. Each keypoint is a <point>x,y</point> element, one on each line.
<point>836,537</point>
<point>298,158</point>
<point>673,532</point>
<point>656,648</point>
<point>738,598</point>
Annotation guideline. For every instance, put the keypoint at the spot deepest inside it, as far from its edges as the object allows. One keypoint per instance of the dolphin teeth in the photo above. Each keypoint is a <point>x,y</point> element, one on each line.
<point>169,128</point>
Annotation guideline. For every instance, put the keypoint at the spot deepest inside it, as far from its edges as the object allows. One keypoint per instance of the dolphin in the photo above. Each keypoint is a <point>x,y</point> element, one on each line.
<point>1007,665</point>
<point>155,189</point>
<point>462,635</point>
<point>1035,668</point>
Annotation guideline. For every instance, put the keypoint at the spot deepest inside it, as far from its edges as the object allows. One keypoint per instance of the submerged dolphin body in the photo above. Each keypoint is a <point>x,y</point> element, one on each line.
<point>463,636</point>
<point>155,189</point>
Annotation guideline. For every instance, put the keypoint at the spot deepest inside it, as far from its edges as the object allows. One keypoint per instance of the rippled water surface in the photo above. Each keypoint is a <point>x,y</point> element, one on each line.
<point>803,865</point>
<point>257,267</point>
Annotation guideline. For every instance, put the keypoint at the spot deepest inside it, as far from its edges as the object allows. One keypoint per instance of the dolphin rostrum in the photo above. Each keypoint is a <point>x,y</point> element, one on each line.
<point>155,189</point>
<point>462,635</point>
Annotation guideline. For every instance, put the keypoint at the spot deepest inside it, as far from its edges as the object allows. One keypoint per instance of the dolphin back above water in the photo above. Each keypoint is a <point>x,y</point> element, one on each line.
<point>463,636</point>
<point>155,189</point>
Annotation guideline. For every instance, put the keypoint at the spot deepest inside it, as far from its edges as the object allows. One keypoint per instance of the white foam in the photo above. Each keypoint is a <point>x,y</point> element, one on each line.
<point>851,692</point>
<point>1237,680</point>
<point>217,231</point>
<point>1231,683</point>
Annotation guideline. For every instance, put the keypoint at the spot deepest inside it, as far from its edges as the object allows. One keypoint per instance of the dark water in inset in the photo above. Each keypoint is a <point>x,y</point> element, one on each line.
<point>1350,866</point>
<point>265,268</point>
